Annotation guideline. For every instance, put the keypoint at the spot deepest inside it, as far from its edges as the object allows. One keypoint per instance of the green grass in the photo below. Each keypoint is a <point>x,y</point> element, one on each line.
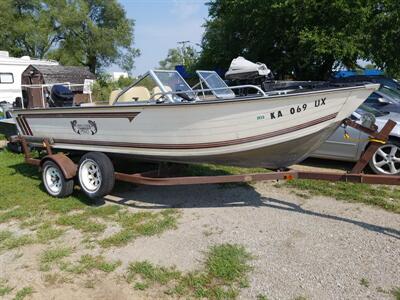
<point>396,293</point>
<point>21,294</point>
<point>46,233</point>
<point>386,197</point>
<point>81,222</point>
<point>13,242</point>
<point>364,282</point>
<point>5,288</point>
<point>262,297</point>
<point>88,263</point>
<point>51,256</point>
<point>225,272</point>
<point>228,262</point>
<point>140,224</point>
<point>151,274</point>
<point>2,137</point>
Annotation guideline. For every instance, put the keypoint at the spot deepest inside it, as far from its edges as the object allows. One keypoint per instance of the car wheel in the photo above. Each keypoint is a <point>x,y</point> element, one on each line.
<point>96,175</point>
<point>54,181</point>
<point>386,160</point>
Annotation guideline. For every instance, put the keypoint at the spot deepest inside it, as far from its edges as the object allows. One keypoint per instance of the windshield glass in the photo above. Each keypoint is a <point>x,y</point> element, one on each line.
<point>173,82</point>
<point>367,108</point>
<point>215,82</point>
<point>394,94</point>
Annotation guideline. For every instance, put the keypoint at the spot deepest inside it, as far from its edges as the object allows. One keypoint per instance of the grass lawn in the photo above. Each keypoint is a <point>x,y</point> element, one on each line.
<point>33,218</point>
<point>386,197</point>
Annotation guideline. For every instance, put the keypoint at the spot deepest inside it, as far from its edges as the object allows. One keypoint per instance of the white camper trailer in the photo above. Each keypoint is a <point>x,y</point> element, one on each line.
<point>11,69</point>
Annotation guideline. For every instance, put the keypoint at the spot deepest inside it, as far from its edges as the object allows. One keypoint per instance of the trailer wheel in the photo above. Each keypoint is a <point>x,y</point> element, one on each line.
<point>96,175</point>
<point>54,181</point>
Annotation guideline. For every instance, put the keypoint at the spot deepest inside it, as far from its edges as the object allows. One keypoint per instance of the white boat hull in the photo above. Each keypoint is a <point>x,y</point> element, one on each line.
<point>270,132</point>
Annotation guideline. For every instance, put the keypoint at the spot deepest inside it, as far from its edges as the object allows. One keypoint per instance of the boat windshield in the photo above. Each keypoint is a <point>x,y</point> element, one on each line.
<point>173,83</point>
<point>158,86</point>
<point>217,85</point>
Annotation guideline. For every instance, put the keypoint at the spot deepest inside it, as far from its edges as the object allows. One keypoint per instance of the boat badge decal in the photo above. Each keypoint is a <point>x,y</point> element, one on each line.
<point>90,128</point>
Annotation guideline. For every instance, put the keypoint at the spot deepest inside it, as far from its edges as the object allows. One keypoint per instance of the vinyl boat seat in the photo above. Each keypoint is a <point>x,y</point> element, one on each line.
<point>136,93</point>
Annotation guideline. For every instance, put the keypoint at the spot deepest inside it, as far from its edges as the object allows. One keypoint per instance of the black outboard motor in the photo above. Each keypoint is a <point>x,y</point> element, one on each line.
<point>60,96</point>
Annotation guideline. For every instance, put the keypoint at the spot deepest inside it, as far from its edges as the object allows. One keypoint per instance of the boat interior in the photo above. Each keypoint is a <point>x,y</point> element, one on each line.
<point>168,86</point>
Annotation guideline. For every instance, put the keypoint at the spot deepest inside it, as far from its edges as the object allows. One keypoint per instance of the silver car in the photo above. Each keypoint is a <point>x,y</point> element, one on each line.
<point>386,160</point>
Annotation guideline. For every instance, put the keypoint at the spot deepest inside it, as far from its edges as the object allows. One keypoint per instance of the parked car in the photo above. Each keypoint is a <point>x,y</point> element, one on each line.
<point>389,82</point>
<point>386,160</point>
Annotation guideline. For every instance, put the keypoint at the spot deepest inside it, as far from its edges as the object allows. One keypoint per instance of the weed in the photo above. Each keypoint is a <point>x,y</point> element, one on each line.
<point>4,288</point>
<point>118,239</point>
<point>151,273</point>
<point>225,272</point>
<point>21,294</point>
<point>4,235</point>
<point>140,286</point>
<point>261,297</point>
<point>16,242</point>
<point>88,263</point>
<point>52,256</point>
<point>81,222</point>
<point>45,233</point>
<point>140,224</point>
<point>386,197</point>
<point>104,211</point>
<point>364,282</point>
<point>228,262</point>
<point>396,293</point>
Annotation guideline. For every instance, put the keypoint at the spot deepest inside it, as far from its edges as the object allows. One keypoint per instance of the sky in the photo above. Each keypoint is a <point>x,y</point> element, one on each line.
<point>160,24</point>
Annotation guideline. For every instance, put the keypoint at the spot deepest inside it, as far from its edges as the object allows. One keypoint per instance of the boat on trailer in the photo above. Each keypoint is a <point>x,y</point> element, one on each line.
<point>161,118</point>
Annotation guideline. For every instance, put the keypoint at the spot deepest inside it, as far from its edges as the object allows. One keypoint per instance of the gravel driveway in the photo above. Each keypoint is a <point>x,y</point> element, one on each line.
<point>315,248</point>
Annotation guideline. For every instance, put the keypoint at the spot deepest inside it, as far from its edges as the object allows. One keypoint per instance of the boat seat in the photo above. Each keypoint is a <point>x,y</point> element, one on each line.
<point>136,93</point>
<point>113,96</point>
<point>157,90</point>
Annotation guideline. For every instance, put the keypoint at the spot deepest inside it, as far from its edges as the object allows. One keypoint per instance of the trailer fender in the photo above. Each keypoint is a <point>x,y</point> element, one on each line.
<point>67,166</point>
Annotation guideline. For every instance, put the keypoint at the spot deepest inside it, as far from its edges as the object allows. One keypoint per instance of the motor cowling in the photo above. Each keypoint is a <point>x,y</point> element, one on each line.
<point>61,96</point>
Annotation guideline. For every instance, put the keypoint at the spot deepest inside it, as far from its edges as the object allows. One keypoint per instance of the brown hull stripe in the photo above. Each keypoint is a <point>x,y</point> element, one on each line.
<point>26,125</point>
<point>130,115</point>
<point>18,119</point>
<point>200,145</point>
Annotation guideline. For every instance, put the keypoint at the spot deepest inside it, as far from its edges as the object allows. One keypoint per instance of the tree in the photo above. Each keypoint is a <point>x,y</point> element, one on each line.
<point>384,41</point>
<point>92,33</point>
<point>303,39</point>
<point>185,55</point>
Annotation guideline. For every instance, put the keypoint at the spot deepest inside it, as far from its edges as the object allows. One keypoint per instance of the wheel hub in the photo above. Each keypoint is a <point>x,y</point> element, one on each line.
<point>387,159</point>
<point>90,176</point>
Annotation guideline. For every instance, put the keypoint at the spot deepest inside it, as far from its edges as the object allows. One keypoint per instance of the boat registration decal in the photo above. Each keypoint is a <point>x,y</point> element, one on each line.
<point>83,128</point>
<point>292,110</point>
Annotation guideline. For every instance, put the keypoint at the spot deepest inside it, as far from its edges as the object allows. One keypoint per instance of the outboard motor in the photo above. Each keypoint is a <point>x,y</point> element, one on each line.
<point>60,96</point>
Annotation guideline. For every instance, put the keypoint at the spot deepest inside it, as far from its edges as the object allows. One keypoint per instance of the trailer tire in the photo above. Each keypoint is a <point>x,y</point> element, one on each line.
<point>96,175</point>
<point>54,180</point>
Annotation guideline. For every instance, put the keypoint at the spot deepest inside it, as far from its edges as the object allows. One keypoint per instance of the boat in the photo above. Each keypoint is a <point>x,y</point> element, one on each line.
<point>160,118</point>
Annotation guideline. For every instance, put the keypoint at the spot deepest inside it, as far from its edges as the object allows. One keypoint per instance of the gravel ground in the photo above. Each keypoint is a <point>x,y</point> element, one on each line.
<point>317,248</point>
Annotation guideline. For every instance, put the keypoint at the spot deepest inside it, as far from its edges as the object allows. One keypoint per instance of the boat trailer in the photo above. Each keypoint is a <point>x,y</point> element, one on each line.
<point>158,177</point>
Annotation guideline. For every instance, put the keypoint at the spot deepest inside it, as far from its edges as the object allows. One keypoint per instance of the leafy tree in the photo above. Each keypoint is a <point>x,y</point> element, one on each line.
<point>92,33</point>
<point>185,55</point>
<point>384,41</point>
<point>300,38</point>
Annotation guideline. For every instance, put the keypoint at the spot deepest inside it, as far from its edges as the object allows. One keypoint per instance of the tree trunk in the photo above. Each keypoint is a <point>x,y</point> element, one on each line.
<point>92,61</point>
